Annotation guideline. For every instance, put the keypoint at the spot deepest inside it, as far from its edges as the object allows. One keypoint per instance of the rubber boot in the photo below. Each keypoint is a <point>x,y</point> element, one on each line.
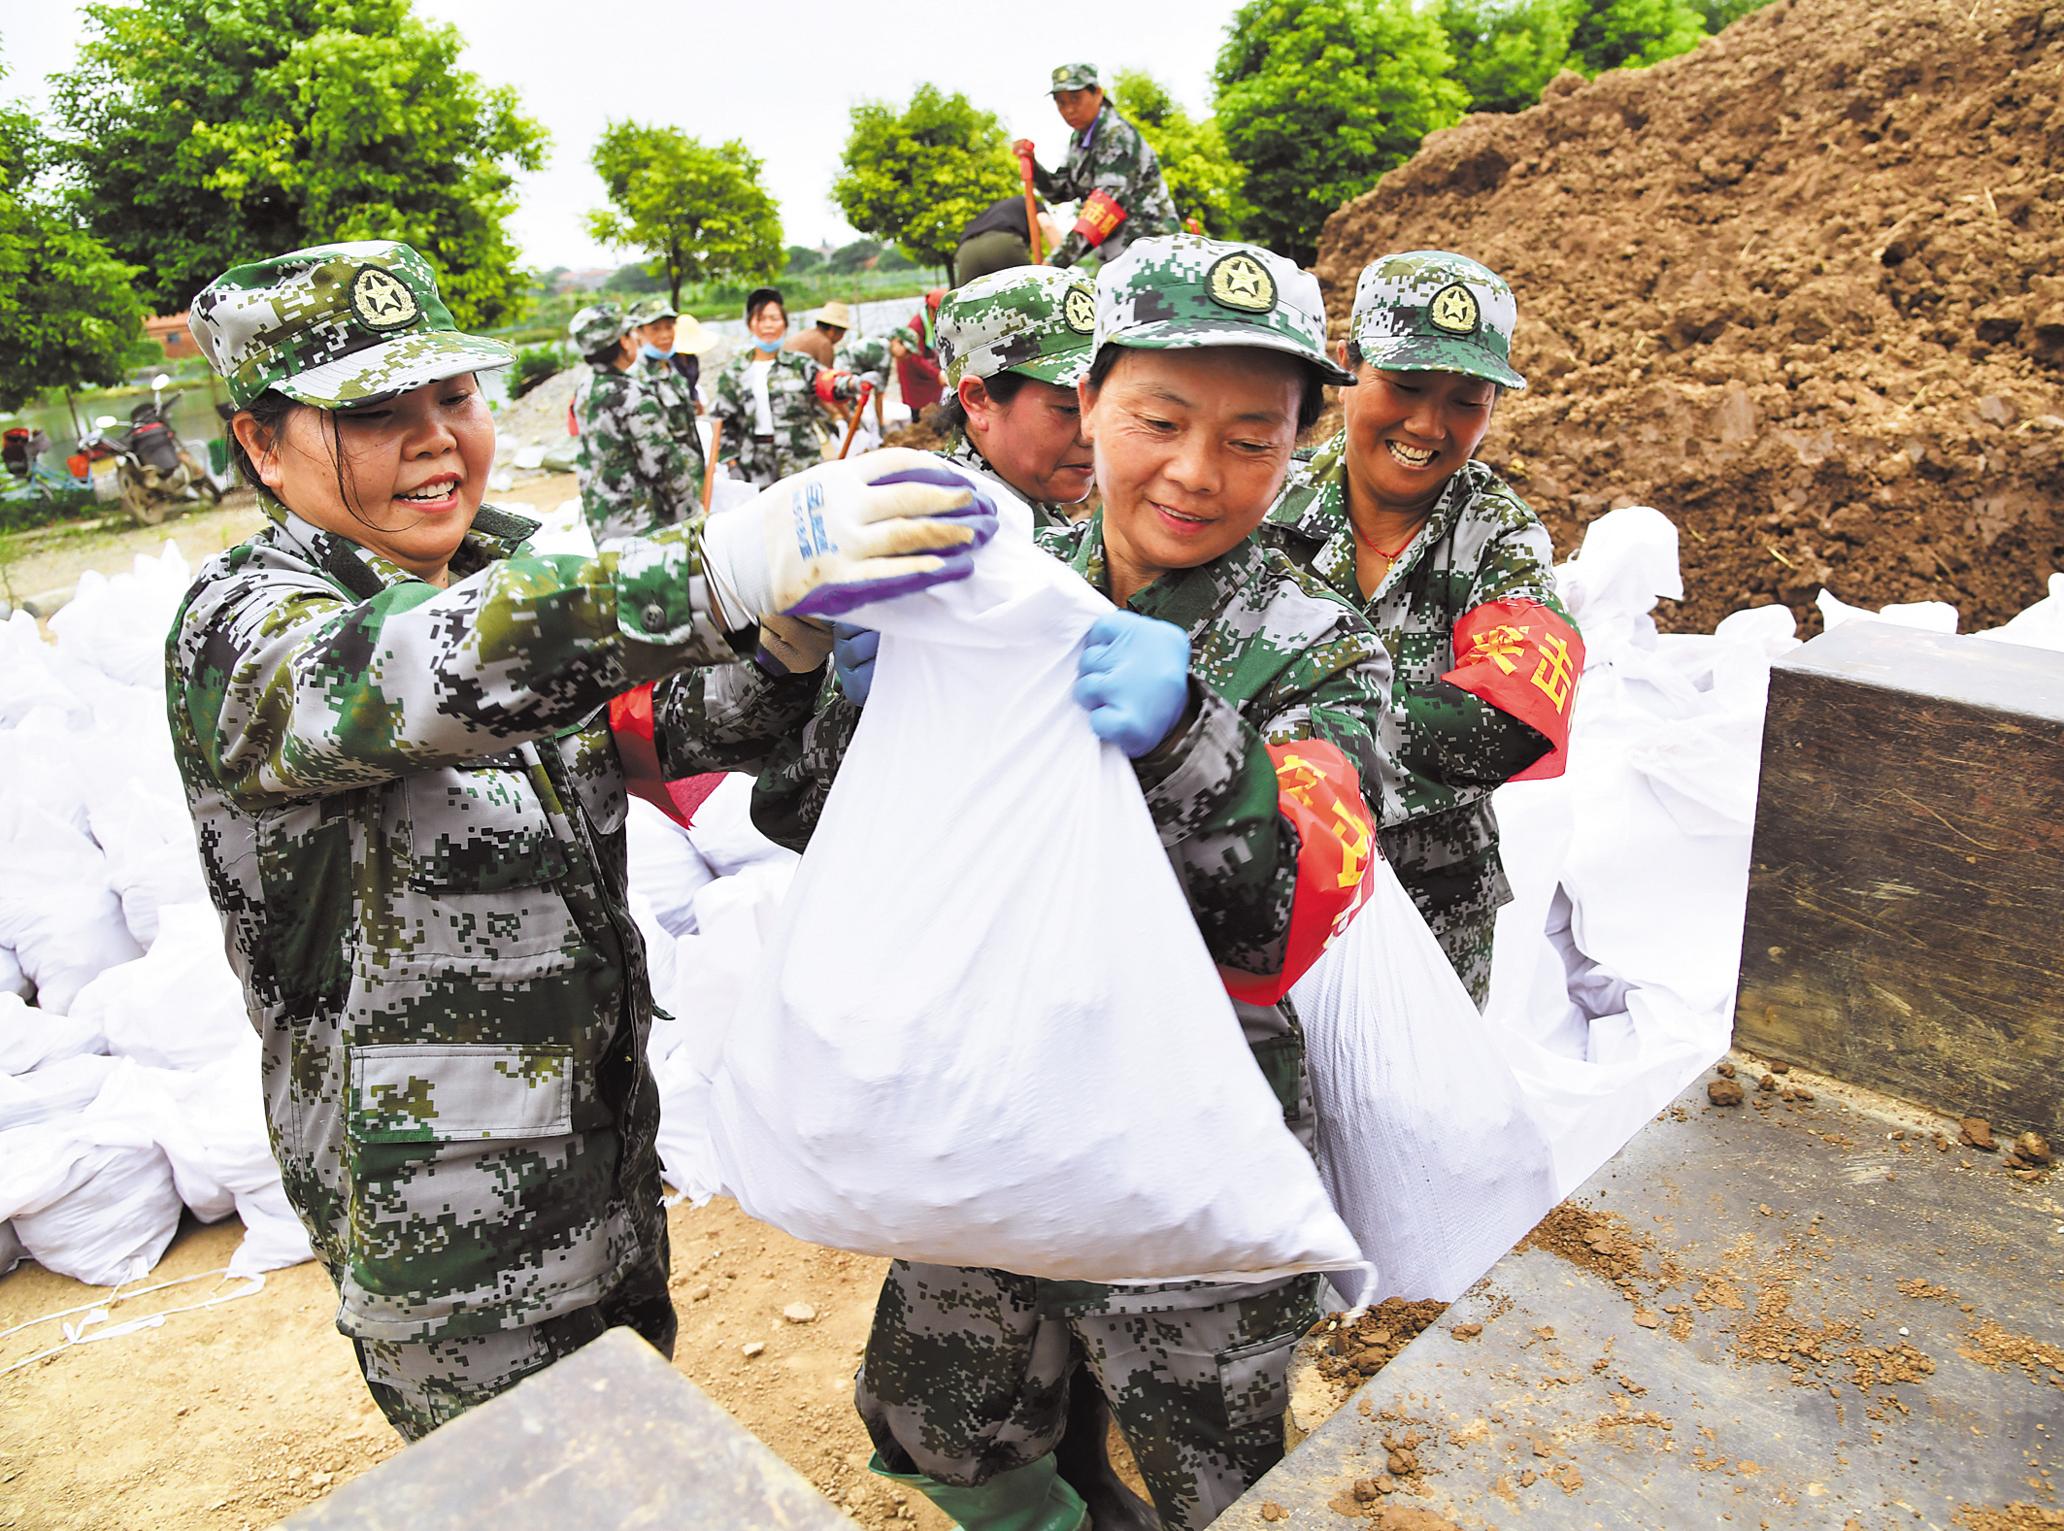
<point>1028,1498</point>
<point>1084,1459</point>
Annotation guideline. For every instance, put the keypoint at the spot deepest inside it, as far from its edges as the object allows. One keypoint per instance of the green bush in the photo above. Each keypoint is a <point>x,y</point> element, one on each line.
<point>533,365</point>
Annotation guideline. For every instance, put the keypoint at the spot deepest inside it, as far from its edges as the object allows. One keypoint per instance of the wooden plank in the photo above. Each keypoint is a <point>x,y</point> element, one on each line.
<point>1905,923</point>
<point>610,1437</point>
<point>1783,1318</point>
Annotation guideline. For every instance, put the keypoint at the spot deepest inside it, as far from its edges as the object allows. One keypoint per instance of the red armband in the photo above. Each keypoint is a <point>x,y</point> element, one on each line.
<point>827,384</point>
<point>572,422</point>
<point>1320,793</point>
<point>1099,218</point>
<point>1524,660</point>
<point>630,723</point>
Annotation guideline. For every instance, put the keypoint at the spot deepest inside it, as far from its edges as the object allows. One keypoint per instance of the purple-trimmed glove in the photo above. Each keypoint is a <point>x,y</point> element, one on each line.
<point>844,534</point>
<point>1133,679</point>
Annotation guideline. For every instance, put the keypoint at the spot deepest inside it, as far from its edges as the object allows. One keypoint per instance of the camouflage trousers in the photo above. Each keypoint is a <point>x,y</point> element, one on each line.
<point>420,1384</point>
<point>1460,904</point>
<point>790,450</point>
<point>967,1374</point>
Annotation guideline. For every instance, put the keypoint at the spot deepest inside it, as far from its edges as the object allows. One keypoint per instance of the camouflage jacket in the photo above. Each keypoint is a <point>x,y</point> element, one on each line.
<point>636,472</point>
<point>410,813</point>
<point>867,354</point>
<point>1481,544</point>
<point>678,395</point>
<point>799,424</point>
<point>1120,163</point>
<point>961,452</point>
<point>1275,657</point>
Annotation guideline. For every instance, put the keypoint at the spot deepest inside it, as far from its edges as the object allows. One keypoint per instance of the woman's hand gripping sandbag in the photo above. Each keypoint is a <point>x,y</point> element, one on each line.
<point>844,535</point>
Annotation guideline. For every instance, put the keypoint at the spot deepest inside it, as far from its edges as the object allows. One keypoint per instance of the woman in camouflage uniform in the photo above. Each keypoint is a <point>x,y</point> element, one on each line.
<point>1452,570</point>
<point>1243,690</point>
<point>766,398</point>
<point>392,722</point>
<point>635,469</point>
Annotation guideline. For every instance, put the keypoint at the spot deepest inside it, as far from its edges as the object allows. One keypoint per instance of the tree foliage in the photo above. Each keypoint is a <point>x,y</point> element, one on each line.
<point>206,133</point>
<point>1204,180</point>
<point>1626,34</point>
<point>1507,50</point>
<point>69,312</point>
<point>918,176</point>
<point>802,258</point>
<point>1317,98</point>
<point>697,210</point>
<point>1722,13</point>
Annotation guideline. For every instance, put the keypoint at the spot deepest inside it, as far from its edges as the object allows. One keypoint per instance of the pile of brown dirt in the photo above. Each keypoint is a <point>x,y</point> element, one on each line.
<point>1802,289</point>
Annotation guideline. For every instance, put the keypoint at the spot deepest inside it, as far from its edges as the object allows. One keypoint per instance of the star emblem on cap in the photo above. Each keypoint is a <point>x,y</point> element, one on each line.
<point>381,300</point>
<point>1079,310</point>
<point>1454,309</point>
<point>1239,281</point>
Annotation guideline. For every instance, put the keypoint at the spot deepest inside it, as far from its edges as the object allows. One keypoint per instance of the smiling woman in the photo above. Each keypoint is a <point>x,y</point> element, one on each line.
<point>1453,571</point>
<point>393,723</point>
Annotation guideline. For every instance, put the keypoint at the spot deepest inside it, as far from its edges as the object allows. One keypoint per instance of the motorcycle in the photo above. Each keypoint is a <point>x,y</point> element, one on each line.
<point>153,467</point>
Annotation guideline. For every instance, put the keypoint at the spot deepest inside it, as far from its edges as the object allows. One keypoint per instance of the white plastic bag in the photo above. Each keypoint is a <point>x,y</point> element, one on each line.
<point>31,1037</point>
<point>987,1031</point>
<point>1428,1146</point>
<point>100,1215</point>
<point>665,866</point>
<point>723,833</point>
<point>179,1006</point>
<point>118,625</point>
<point>57,911</point>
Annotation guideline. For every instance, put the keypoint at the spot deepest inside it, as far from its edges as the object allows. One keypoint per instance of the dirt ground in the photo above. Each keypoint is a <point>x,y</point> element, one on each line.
<point>1797,288</point>
<point>239,1415</point>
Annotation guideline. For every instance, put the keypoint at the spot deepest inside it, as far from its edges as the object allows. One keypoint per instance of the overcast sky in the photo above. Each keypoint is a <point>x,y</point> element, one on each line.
<point>781,74</point>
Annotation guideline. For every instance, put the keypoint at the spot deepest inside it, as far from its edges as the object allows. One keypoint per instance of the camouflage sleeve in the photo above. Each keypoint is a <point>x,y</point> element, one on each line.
<point>293,689</point>
<point>635,458</point>
<point>729,406</point>
<point>1216,796</point>
<point>1453,737</point>
<point>788,798</point>
<point>727,717</point>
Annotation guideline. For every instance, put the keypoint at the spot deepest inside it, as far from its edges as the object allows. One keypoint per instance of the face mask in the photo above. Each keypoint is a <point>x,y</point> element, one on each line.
<point>769,346</point>
<point>653,353</point>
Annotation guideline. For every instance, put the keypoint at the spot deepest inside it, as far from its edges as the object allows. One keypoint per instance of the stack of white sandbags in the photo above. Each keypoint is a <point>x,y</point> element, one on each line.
<point>128,1067</point>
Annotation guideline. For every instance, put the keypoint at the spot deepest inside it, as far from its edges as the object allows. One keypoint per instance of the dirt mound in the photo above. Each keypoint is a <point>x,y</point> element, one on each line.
<point>1802,288</point>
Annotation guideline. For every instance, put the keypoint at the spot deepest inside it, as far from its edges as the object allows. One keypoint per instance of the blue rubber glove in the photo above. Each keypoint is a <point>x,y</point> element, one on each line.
<point>843,534</point>
<point>1134,680</point>
<point>852,656</point>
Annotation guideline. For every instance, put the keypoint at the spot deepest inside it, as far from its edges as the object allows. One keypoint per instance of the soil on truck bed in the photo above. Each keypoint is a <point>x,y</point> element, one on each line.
<point>1802,288</point>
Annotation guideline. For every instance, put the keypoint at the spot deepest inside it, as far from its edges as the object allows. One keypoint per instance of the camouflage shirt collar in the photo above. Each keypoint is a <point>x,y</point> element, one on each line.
<point>1190,598</point>
<point>1087,138</point>
<point>1313,508</point>
<point>495,534</point>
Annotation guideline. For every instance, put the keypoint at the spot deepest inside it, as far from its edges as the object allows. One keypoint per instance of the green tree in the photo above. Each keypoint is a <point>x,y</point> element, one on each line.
<point>696,210</point>
<point>1626,34</point>
<point>205,133</point>
<point>851,257</point>
<point>1317,98</point>
<point>919,176</point>
<point>1507,50</point>
<point>802,258</point>
<point>69,312</point>
<point>1721,13</point>
<point>1204,180</point>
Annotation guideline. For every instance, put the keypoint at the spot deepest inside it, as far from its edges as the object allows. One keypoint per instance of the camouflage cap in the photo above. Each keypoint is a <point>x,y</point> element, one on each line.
<point>1074,77</point>
<point>1034,320</point>
<point>650,311</point>
<point>1177,291</point>
<point>334,325</point>
<point>598,325</point>
<point>1431,311</point>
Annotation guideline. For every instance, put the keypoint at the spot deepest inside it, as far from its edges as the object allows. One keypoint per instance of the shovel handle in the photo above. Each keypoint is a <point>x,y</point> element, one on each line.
<point>709,473</point>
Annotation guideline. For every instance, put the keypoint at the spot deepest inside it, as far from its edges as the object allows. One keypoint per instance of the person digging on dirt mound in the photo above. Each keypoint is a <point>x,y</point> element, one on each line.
<point>1110,169</point>
<point>392,723</point>
<point>767,398</point>
<point>1452,570</point>
<point>635,472</point>
<point>1209,358</point>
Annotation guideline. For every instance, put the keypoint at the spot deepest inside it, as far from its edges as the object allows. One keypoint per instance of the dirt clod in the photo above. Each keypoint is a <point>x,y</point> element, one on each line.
<point>1357,1351</point>
<point>1723,1092</point>
<point>1976,1132</point>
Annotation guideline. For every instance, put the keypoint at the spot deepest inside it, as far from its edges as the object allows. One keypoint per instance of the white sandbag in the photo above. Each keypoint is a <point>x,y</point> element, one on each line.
<point>2040,626</point>
<point>1428,1145</point>
<point>665,866</point>
<point>723,832</point>
<point>30,1036</point>
<point>1928,616</point>
<point>179,1006</point>
<point>57,1092</point>
<point>118,625</point>
<point>152,859</point>
<point>12,979</point>
<point>11,1253</point>
<point>987,1031</point>
<point>57,912</point>
<point>100,1215</point>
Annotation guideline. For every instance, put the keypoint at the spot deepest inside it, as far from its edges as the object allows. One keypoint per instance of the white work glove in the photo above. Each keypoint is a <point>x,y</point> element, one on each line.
<point>844,534</point>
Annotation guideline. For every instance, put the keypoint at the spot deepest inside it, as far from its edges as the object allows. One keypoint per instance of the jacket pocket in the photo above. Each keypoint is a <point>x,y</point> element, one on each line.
<point>1254,1380</point>
<point>472,1204</point>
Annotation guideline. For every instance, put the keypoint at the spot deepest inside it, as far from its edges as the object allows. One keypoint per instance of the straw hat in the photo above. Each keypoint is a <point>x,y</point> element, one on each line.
<point>691,337</point>
<point>835,313</point>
